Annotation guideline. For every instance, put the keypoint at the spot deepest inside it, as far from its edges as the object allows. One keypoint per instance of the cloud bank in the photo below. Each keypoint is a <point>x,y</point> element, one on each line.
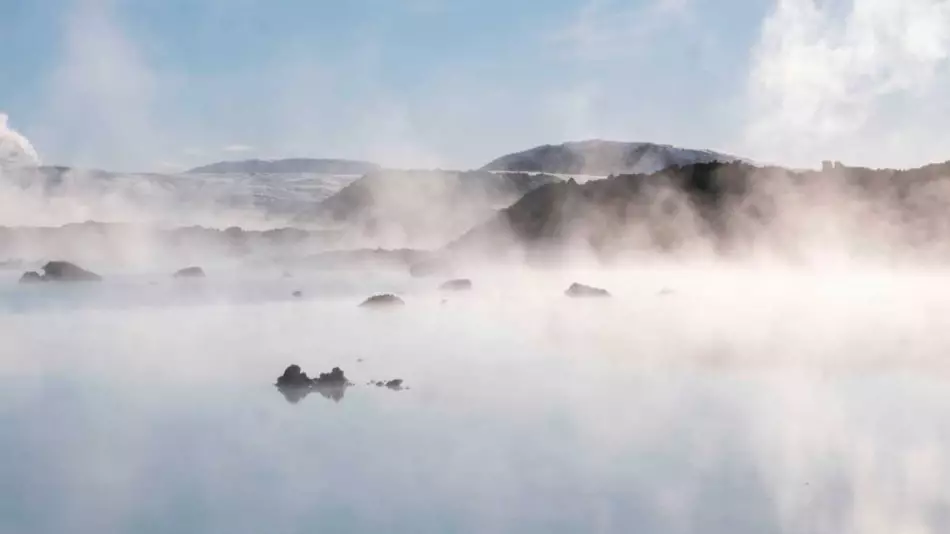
<point>859,81</point>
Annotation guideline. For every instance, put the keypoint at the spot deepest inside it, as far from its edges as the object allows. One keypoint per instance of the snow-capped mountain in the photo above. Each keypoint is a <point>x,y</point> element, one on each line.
<point>288,166</point>
<point>51,196</point>
<point>603,158</point>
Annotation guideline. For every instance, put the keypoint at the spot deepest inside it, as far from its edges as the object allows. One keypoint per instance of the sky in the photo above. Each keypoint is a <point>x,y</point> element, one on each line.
<point>165,85</point>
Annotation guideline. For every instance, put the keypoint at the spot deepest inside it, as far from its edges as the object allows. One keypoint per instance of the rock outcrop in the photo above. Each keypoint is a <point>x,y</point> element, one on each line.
<point>295,385</point>
<point>382,301</point>
<point>60,271</point>
<point>580,290</point>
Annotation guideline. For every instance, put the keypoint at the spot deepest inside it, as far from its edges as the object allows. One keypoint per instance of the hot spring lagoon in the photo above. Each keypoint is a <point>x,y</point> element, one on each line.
<point>692,400</point>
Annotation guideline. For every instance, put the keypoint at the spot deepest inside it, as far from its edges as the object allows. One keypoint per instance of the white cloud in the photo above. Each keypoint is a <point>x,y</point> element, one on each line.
<point>15,149</point>
<point>860,84</point>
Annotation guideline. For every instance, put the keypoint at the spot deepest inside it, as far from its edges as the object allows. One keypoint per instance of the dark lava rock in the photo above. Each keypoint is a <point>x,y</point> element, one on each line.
<point>395,384</point>
<point>63,271</point>
<point>294,377</point>
<point>461,284</point>
<point>580,290</point>
<point>382,301</point>
<point>31,277</point>
<point>336,377</point>
<point>190,272</point>
<point>295,385</point>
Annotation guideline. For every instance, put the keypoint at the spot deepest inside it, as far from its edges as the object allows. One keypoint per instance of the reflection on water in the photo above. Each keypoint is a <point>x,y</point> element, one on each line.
<point>713,410</point>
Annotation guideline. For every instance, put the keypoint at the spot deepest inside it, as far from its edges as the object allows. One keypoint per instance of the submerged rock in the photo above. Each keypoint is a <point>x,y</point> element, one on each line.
<point>580,290</point>
<point>190,272</point>
<point>63,271</point>
<point>383,301</point>
<point>460,284</point>
<point>31,277</point>
<point>295,385</point>
<point>395,384</point>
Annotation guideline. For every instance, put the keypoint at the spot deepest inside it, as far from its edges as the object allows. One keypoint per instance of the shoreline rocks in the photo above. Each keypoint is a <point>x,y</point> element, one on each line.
<point>60,271</point>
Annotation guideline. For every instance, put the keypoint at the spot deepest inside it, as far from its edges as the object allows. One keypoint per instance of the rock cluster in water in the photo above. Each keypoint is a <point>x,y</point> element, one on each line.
<point>395,384</point>
<point>294,384</point>
<point>60,271</point>
<point>580,290</point>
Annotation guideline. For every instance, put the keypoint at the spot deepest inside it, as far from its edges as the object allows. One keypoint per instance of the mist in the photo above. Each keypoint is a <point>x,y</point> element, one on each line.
<point>771,356</point>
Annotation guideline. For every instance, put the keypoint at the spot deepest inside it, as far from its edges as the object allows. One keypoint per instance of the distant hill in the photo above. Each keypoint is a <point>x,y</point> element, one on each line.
<point>730,208</point>
<point>603,158</point>
<point>421,207</point>
<point>293,165</point>
<point>50,195</point>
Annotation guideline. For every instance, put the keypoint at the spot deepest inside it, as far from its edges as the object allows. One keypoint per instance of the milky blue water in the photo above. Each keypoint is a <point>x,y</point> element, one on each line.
<point>145,405</point>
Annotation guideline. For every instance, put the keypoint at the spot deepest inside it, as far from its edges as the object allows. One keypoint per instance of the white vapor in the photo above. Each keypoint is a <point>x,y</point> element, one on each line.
<point>15,149</point>
<point>854,83</point>
<point>101,96</point>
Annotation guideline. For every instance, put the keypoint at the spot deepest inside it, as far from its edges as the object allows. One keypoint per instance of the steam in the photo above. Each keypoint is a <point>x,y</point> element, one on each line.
<point>15,149</point>
<point>854,80</point>
<point>102,94</point>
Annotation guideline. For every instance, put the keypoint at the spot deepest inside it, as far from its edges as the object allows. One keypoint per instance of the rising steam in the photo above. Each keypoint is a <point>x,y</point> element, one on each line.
<point>848,83</point>
<point>15,149</point>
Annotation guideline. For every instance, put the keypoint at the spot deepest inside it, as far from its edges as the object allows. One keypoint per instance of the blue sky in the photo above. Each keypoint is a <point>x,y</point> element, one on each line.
<point>165,84</point>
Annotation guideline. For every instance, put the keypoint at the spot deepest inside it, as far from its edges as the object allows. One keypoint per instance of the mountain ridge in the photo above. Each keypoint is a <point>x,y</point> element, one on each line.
<point>598,157</point>
<point>288,165</point>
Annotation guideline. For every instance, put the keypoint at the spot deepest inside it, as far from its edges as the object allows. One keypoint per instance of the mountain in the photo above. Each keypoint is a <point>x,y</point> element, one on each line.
<point>51,196</point>
<point>603,158</point>
<point>729,208</point>
<point>421,207</point>
<point>294,165</point>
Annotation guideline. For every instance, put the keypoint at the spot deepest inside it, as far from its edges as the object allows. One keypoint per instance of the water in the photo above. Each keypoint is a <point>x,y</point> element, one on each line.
<point>739,403</point>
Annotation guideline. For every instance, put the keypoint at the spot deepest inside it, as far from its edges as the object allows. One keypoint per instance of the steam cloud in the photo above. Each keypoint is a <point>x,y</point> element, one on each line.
<point>15,149</point>
<point>855,83</point>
